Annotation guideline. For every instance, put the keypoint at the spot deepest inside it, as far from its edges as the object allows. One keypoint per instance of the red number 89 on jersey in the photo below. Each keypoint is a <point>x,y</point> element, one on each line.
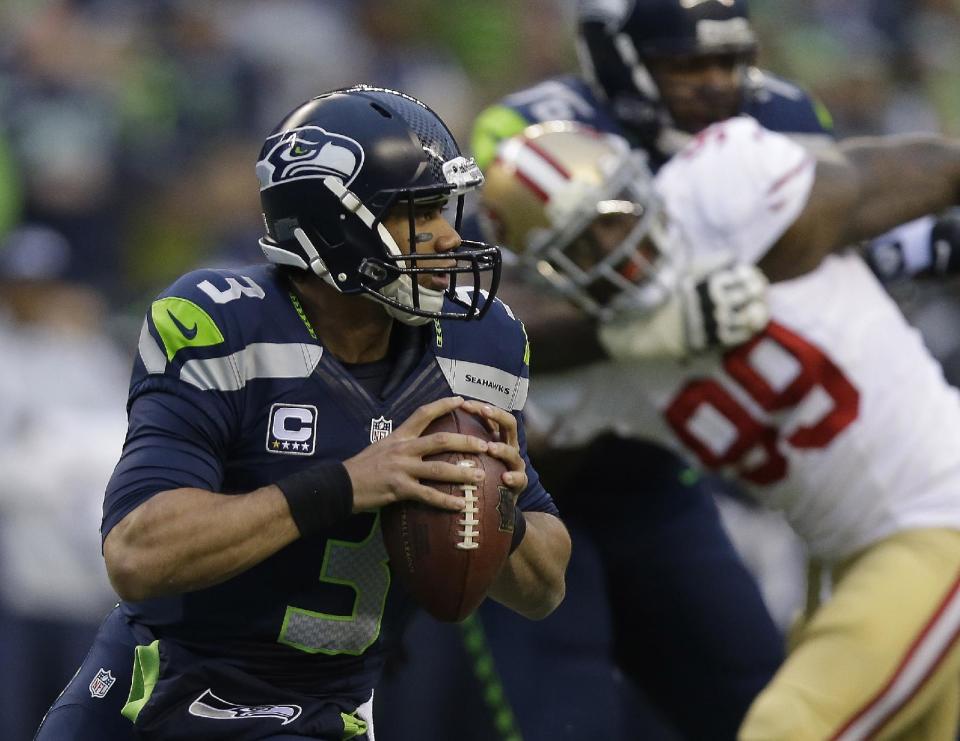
<point>753,447</point>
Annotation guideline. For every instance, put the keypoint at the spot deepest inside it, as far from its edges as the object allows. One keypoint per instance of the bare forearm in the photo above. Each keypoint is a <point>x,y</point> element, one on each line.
<point>187,539</point>
<point>532,581</point>
<point>862,189</point>
<point>901,179</point>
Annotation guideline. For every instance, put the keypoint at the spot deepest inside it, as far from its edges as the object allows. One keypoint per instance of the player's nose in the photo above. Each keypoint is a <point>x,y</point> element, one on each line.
<point>448,239</point>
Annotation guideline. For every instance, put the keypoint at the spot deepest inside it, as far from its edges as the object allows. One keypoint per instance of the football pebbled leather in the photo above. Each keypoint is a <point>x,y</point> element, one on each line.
<point>448,560</point>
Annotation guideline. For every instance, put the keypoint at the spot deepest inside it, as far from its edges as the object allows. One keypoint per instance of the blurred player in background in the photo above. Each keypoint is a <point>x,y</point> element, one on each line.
<point>273,410</point>
<point>836,414</point>
<point>656,72</point>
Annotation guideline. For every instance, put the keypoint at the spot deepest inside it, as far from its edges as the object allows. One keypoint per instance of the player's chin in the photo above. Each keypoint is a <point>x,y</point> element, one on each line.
<point>695,119</point>
<point>435,282</point>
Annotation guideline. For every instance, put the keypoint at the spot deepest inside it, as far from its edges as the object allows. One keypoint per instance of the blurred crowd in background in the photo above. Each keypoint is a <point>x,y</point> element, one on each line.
<point>128,134</point>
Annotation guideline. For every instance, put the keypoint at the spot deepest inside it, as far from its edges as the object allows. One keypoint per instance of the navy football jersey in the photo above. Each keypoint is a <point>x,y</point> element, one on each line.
<point>777,104</point>
<point>231,391</point>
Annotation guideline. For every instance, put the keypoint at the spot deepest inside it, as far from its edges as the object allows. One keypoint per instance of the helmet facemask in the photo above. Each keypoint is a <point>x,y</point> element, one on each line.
<point>609,249</point>
<point>393,278</point>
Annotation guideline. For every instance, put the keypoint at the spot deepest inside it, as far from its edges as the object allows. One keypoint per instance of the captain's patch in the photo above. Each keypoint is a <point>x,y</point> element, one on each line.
<point>292,429</point>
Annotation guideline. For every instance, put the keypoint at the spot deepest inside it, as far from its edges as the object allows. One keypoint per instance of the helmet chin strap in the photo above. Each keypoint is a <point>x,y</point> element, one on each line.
<point>316,263</point>
<point>400,290</point>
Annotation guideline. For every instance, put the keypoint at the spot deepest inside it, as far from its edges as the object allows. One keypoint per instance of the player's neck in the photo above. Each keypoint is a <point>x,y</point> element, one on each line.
<point>353,328</point>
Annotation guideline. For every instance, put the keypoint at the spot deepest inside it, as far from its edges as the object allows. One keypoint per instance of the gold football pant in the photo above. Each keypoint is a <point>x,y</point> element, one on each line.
<point>881,658</point>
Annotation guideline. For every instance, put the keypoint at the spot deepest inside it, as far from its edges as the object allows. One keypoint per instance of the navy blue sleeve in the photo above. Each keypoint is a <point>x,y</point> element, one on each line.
<point>780,105</point>
<point>172,442</point>
<point>534,498</point>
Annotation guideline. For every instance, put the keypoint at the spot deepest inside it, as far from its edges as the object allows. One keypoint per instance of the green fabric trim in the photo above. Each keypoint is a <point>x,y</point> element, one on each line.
<point>689,476</point>
<point>526,348</point>
<point>485,671</point>
<point>181,323</point>
<point>11,196</point>
<point>352,725</point>
<point>302,314</point>
<point>823,115</point>
<point>146,672</point>
<point>493,125</point>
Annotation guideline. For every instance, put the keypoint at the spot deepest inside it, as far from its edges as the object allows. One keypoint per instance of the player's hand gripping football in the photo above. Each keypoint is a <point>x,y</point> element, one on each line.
<point>503,425</point>
<point>391,469</point>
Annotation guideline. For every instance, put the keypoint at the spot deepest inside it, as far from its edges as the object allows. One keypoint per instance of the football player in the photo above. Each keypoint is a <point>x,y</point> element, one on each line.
<point>273,411</point>
<point>656,72</point>
<point>835,414</point>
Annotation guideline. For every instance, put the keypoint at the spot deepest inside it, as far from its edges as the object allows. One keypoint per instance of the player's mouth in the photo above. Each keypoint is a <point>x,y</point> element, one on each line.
<point>436,282</point>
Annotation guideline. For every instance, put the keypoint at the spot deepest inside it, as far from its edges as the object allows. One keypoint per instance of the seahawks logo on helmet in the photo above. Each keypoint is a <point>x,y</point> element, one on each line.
<point>309,152</point>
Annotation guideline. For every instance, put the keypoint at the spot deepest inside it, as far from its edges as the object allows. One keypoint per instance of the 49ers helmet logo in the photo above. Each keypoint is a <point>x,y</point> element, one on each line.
<point>309,152</point>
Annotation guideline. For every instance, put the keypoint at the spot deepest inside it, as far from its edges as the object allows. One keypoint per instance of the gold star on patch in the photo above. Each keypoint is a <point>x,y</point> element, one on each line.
<point>276,444</point>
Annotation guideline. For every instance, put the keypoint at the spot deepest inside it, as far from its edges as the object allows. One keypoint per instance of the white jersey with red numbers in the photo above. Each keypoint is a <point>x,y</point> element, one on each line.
<point>836,414</point>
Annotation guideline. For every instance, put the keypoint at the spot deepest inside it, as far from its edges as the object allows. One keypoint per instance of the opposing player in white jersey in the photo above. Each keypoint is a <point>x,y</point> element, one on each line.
<point>835,413</point>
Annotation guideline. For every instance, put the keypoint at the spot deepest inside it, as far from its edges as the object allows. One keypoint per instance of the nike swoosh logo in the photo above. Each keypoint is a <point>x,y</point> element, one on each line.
<point>188,333</point>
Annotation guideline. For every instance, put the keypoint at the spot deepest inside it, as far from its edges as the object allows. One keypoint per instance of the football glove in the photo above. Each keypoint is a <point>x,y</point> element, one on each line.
<point>726,308</point>
<point>929,246</point>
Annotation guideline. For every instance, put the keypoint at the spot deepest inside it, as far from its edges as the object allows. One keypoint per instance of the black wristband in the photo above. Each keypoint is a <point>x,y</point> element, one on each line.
<point>319,497</point>
<point>519,528</point>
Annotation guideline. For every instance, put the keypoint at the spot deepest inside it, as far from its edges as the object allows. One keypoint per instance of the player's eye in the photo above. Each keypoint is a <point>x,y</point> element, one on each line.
<point>430,213</point>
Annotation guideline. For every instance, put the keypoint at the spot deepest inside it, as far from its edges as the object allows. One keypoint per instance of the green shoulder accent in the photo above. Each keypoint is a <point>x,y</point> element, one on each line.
<point>526,346</point>
<point>181,323</point>
<point>146,672</point>
<point>352,726</point>
<point>823,115</point>
<point>493,125</point>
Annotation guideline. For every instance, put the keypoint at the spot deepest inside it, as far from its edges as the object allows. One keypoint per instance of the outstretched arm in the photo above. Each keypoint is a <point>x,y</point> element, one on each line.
<point>863,188</point>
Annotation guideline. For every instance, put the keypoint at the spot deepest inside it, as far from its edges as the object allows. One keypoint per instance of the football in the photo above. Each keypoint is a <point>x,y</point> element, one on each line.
<point>448,560</point>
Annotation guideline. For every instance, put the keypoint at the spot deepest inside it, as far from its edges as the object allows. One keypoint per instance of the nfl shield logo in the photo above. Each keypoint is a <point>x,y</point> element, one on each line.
<point>380,428</point>
<point>100,685</point>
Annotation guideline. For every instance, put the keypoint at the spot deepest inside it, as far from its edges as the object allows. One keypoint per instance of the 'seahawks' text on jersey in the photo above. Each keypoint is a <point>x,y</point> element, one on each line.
<point>231,391</point>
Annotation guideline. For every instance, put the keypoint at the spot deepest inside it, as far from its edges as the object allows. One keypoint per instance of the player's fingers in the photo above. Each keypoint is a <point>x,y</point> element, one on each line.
<point>434,497</point>
<point>418,421</point>
<point>477,408</point>
<point>501,422</point>
<point>453,473</point>
<point>439,442</point>
<point>509,455</point>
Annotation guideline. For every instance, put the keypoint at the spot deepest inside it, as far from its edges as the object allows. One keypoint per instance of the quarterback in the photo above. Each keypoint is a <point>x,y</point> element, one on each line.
<point>835,414</point>
<point>273,411</point>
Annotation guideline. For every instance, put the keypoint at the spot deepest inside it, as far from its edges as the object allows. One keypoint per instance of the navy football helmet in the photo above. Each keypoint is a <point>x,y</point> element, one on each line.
<point>619,40</point>
<point>332,171</point>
